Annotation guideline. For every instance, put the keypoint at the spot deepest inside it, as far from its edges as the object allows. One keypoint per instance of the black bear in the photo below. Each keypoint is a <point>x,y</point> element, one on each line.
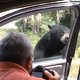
<point>52,42</point>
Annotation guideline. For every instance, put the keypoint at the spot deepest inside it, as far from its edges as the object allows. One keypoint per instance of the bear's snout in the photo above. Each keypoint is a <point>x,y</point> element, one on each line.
<point>64,39</point>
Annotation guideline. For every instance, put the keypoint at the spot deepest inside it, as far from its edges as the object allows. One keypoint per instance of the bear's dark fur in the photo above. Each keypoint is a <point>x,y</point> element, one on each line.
<point>52,42</point>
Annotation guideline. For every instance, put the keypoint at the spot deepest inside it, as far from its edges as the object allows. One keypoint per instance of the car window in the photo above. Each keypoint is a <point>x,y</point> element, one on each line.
<point>49,31</point>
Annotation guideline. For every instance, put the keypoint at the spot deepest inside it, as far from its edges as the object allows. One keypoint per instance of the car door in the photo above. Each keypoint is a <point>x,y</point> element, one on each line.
<point>60,13</point>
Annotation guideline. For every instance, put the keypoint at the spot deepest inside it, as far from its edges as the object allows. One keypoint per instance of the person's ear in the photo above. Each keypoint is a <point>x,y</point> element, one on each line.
<point>28,64</point>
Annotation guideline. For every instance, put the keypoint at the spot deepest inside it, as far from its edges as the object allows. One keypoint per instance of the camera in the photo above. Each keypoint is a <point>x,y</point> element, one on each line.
<point>39,72</point>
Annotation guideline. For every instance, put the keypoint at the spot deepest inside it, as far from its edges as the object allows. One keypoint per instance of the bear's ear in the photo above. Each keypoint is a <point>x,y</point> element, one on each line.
<point>49,26</point>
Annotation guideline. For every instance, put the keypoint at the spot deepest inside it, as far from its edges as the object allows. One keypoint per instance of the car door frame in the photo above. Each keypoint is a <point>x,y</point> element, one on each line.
<point>72,44</point>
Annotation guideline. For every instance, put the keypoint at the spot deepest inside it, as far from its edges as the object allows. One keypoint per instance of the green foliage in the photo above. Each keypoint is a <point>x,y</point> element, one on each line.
<point>78,52</point>
<point>42,32</point>
<point>74,68</point>
<point>66,19</point>
<point>3,31</point>
<point>21,25</point>
<point>46,20</point>
<point>34,38</point>
<point>78,46</point>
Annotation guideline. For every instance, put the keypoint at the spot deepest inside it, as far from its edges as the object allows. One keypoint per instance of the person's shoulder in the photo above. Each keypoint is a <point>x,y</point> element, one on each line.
<point>16,75</point>
<point>20,75</point>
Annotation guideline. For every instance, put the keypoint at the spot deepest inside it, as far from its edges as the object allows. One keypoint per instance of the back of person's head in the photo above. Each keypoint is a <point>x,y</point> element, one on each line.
<point>15,47</point>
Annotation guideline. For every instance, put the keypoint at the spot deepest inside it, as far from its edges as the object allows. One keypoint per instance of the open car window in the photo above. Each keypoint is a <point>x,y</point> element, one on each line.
<point>49,31</point>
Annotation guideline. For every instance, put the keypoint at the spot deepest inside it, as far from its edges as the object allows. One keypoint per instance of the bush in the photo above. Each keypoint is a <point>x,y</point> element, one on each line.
<point>78,52</point>
<point>74,68</point>
<point>66,19</point>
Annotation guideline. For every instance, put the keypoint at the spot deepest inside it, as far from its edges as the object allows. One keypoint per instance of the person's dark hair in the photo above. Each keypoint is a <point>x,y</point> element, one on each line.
<point>15,47</point>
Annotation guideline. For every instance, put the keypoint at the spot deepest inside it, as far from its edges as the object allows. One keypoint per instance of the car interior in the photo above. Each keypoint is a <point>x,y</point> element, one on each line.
<point>42,20</point>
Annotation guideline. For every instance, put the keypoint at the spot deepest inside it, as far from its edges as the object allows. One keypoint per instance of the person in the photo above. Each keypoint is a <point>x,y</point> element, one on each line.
<point>16,56</point>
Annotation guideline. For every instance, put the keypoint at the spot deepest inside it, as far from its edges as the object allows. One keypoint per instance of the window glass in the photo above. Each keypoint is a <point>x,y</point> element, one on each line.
<point>49,31</point>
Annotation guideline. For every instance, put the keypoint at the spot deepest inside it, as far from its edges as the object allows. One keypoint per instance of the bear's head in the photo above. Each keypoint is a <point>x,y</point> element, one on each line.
<point>53,42</point>
<point>59,33</point>
<point>59,36</point>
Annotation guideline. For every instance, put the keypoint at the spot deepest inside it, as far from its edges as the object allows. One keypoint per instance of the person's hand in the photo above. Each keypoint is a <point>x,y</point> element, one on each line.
<point>56,76</point>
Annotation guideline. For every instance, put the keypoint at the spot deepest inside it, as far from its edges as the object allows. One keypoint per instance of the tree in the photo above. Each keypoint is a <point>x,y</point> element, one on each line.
<point>66,19</point>
<point>21,25</point>
<point>32,22</point>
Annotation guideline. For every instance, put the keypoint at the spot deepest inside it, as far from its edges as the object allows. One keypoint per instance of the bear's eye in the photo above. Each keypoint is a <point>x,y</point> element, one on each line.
<point>61,33</point>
